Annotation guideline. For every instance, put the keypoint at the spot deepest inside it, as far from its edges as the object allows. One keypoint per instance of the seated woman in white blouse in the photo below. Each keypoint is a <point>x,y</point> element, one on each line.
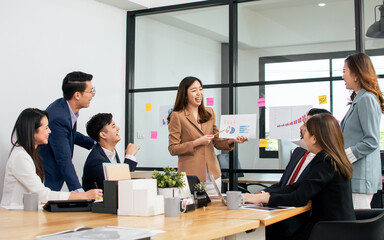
<point>24,171</point>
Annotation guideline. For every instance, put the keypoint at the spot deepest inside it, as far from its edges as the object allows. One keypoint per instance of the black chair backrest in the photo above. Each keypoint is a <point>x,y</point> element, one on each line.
<point>370,225</point>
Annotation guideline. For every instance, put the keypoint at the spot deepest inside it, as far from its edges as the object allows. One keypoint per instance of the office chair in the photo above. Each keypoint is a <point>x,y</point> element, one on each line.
<point>369,225</point>
<point>224,164</point>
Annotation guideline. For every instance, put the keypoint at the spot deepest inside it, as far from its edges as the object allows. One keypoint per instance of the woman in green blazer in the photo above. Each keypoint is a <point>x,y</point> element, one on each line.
<point>361,128</point>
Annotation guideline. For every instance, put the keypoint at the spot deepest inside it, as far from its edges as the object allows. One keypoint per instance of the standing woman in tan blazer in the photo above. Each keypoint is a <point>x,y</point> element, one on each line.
<point>193,133</point>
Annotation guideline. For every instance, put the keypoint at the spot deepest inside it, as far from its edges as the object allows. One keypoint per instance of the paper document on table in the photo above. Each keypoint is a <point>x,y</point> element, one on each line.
<point>263,207</point>
<point>107,232</point>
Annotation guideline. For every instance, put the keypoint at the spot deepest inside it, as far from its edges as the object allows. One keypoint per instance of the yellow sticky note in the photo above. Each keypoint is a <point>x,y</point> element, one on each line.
<point>262,142</point>
<point>148,107</point>
<point>323,99</point>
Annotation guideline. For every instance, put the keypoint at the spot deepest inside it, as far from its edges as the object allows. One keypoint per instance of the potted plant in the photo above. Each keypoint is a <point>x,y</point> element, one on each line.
<point>199,188</point>
<point>169,182</point>
<point>200,195</point>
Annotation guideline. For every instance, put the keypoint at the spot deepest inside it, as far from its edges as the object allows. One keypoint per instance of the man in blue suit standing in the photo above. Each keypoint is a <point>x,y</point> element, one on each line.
<point>63,113</point>
<point>105,132</point>
<point>296,170</point>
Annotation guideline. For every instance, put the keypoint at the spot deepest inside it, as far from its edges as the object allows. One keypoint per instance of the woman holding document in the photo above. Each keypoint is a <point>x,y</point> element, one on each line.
<point>24,170</point>
<point>193,133</point>
<point>361,128</point>
<point>328,182</point>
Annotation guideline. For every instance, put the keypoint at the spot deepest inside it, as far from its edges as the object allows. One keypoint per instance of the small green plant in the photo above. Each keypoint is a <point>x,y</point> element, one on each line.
<point>169,179</point>
<point>199,187</point>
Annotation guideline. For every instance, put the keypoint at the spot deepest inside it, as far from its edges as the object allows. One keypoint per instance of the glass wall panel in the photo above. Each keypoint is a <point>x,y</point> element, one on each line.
<point>151,130</point>
<point>170,46</point>
<point>281,28</point>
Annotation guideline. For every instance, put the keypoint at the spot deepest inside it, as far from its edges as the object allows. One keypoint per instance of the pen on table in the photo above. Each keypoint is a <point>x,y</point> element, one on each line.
<point>218,132</point>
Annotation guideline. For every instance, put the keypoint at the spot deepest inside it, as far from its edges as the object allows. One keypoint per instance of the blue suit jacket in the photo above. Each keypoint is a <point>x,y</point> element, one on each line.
<point>361,130</point>
<point>93,168</point>
<point>297,154</point>
<point>57,154</point>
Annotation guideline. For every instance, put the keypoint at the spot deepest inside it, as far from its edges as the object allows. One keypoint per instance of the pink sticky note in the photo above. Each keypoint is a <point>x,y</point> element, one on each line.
<point>261,102</point>
<point>153,134</point>
<point>209,101</point>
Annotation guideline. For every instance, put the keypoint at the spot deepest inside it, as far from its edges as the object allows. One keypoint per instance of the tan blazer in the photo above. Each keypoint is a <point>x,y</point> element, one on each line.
<point>183,130</point>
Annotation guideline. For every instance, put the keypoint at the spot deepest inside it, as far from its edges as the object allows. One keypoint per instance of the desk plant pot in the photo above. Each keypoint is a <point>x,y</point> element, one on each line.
<point>169,182</point>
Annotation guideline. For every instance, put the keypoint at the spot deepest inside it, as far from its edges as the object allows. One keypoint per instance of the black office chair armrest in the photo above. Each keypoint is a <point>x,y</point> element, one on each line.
<point>368,213</point>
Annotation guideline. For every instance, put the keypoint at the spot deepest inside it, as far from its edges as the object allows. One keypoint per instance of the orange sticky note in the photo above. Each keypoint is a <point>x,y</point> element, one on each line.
<point>323,99</point>
<point>262,142</point>
<point>148,107</point>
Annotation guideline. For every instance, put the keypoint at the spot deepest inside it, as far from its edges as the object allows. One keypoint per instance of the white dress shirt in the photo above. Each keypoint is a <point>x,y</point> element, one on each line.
<point>20,177</point>
<point>309,158</point>
<point>112,156</point>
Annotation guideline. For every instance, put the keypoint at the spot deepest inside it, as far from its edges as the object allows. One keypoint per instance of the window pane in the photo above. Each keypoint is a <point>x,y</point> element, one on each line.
<point>337,67</point>
<point>297,70</point>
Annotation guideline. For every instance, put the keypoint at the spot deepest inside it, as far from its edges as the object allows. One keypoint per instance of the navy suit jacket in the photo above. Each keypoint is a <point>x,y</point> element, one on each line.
<point>297,154</point>
<point>286,228</point>
<point>57,154</point>
<point>93,168</point>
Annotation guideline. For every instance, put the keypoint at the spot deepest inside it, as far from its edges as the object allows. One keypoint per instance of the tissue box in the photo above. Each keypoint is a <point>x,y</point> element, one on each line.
<point>138,197</point>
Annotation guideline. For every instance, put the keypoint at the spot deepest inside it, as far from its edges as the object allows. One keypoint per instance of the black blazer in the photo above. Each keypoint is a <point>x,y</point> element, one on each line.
<point>329,191</point>
<point>297,154</point>
<point>93,168</point>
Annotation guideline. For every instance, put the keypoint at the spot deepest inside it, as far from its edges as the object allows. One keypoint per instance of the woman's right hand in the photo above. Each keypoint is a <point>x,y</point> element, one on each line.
<point>204,140</point>
<point>94,194</point>
<point>90,194</point>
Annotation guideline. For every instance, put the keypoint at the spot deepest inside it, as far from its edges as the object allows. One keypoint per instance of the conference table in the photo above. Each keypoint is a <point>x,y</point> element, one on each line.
<point>211,222</point>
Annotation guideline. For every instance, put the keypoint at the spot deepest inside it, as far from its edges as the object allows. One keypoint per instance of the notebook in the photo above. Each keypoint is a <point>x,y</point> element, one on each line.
<point>116,171</point>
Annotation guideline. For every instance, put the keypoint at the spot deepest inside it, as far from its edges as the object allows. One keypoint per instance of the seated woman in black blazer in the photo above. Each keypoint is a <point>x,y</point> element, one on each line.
<point>328,182</point>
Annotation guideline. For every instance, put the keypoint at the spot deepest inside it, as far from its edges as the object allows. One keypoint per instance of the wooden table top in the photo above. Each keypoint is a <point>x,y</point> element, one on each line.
<point>214,221</point>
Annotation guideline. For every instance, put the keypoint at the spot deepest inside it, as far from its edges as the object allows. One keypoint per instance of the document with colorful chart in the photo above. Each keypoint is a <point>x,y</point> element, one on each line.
<point>285,122</point>
<point>232,126</point>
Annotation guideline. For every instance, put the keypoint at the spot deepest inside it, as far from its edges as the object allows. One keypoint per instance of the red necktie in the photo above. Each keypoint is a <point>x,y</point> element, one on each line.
<point>298,168</point>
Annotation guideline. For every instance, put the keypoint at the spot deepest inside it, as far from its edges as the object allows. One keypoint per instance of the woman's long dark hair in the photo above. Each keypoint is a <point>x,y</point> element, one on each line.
<point>182,99</point>
<point>329,136</point>
<point>23,132</point>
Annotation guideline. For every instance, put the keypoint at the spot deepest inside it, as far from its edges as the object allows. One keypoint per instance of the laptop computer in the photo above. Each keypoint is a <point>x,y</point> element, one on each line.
<point>212,179</point>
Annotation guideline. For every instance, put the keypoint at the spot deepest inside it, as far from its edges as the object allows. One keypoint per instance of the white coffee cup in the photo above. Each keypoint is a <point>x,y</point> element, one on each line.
<point>31,201</point>
<point>172,207</point>
<point>234,199</point>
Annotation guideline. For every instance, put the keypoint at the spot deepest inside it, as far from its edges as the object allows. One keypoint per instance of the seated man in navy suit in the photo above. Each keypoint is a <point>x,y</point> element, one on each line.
<point>105,132</point>
<point>295,171</point>
<point>63,113</point>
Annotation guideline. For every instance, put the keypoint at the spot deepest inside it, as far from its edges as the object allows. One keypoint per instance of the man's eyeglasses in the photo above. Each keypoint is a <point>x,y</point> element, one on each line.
<point>92,91</point>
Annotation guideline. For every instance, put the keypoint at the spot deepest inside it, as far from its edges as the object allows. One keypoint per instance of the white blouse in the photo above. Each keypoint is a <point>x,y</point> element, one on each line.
<point>20,177</point>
